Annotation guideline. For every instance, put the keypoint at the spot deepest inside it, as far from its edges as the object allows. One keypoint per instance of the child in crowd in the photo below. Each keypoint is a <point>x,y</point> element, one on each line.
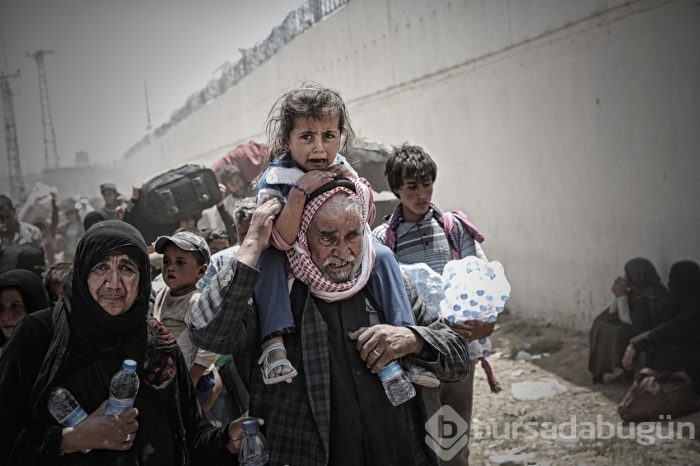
<point>69,231</point>
<point>216,239</point>
<point>54,279</point>
<point>305,128</point>
<point>185,258</point>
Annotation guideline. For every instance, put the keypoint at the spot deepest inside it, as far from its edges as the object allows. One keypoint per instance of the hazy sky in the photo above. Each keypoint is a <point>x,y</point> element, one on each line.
<point>104,49</point>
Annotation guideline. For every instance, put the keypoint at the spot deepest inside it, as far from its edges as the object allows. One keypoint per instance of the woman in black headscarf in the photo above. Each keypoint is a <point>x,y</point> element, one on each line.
<point>79,345</point>
<point>21,293</point>
<point>673,345</point>
<point>640,299</point>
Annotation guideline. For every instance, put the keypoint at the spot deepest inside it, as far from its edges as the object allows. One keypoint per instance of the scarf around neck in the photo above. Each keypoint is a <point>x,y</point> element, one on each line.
<point>299,256</point>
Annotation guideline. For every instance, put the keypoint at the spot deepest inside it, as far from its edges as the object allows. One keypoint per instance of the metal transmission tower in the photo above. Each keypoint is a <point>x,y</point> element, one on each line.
<point>148,107</point>
<point>8,113</point>
<point>50,149</point>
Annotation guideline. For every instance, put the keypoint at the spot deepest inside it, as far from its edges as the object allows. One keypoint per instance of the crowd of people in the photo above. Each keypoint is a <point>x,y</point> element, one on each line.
<point>277,302</point>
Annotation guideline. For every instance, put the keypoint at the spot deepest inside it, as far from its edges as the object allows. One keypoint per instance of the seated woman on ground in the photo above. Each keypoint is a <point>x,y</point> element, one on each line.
<point>674,344</point>
<point>638,305</point>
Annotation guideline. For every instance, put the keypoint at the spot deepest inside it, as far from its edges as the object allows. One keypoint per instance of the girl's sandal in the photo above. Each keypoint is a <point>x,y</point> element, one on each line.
<point>267,369</point>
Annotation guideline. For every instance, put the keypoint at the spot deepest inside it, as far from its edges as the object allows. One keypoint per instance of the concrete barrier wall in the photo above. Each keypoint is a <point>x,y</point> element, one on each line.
<point>567,129</point>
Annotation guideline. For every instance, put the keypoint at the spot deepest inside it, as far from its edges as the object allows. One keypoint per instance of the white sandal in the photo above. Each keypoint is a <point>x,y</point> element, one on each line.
<point>268,367</point>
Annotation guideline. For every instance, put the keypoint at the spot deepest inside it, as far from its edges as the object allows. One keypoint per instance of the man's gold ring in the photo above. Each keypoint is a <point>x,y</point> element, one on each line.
<point>128,438</point>
<point>376,352</point>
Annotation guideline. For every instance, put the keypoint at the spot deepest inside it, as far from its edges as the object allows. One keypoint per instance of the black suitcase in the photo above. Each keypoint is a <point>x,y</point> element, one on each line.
<point>179,193</point>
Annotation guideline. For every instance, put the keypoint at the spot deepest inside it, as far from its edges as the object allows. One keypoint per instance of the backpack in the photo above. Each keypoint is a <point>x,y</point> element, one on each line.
<point>447,221</point>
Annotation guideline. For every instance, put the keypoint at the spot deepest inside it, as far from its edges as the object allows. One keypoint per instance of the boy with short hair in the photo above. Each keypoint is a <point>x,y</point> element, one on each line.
<point>416,233</point>
<point>185,259</point>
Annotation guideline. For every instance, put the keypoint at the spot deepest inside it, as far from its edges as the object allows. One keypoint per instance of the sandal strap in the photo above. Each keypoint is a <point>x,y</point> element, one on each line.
<point>269,349</point>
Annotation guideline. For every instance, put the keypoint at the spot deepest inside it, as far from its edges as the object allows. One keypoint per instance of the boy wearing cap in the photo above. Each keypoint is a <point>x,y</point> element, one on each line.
<point>185,259</point>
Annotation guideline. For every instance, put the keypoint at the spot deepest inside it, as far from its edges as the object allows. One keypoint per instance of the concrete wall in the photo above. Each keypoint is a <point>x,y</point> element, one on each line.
<point>567,129</point>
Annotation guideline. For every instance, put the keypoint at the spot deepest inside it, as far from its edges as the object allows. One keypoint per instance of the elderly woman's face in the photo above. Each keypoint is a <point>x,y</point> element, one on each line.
<point>335,240</point>
<point>114,283</point>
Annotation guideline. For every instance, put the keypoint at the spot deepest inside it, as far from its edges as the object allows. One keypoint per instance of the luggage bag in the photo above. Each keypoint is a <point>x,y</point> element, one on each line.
<point>179,193</point>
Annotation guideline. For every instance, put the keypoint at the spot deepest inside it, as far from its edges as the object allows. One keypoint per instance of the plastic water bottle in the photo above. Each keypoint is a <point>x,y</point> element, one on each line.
<point>65,408</point>
<point>254,450</point>
<point>479,349</point>
<point>428,283</point>
<point>474,289</point>
<point>123,388</point>
<point>396,384</point>
<point>485,347</point>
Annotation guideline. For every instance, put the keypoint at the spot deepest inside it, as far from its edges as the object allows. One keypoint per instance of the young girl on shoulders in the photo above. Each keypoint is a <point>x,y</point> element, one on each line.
<point>306,129</point>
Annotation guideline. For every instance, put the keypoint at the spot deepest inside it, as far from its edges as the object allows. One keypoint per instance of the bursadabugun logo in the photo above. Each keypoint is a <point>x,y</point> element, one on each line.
<point>447,433</point>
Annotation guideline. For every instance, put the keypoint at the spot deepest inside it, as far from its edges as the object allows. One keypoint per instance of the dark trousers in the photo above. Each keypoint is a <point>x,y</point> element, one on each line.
<point>458,395</point>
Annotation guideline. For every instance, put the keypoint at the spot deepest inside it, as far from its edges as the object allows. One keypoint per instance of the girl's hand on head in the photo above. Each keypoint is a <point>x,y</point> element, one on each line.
<point>314,179</point>
<point>344,169</point>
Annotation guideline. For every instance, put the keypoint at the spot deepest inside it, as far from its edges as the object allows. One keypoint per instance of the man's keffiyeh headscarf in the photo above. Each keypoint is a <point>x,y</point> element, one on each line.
<point>300,258</point>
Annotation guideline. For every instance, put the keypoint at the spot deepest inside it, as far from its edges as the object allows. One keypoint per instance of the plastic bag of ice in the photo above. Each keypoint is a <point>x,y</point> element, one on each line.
<point>474,289</point>
<point>428,284</point>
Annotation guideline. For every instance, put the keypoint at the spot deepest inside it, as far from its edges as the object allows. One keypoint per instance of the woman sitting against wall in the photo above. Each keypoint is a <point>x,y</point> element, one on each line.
<point>638,305</point>
<point>674,344</point>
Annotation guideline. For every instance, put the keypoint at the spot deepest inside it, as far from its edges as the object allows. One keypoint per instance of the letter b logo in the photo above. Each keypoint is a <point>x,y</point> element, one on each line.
<point>448,429</point>
<point>446,433</point>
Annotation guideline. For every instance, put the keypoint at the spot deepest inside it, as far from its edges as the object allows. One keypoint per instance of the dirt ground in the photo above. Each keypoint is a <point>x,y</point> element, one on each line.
<point>563,369</point>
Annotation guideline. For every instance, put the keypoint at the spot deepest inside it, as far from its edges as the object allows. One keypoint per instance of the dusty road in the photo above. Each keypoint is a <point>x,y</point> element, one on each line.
<point>589,410</point>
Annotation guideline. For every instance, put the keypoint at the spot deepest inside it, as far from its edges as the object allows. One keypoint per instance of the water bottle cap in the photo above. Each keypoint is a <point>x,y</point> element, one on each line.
<point>129,364</point>
<point>390,371</point>
<point>250,425</point>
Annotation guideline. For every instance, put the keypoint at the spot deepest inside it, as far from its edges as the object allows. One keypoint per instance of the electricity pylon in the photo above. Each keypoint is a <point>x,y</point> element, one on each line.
<point>50,150</point>
<point>8,113</point>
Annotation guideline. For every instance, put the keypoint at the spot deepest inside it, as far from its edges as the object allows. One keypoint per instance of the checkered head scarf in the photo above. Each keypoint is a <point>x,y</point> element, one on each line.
<point>300,258</point>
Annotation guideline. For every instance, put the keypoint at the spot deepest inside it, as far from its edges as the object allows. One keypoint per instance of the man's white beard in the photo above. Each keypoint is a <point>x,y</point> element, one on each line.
<point>341,277</point>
